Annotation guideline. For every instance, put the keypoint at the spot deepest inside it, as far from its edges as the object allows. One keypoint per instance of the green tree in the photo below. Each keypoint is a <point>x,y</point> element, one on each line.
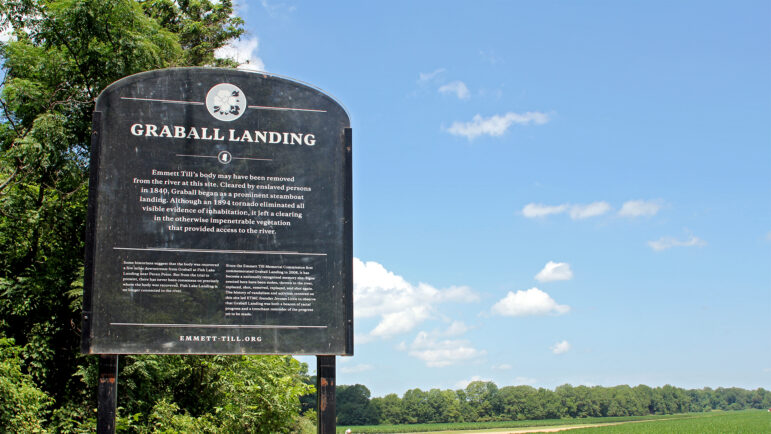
<point>446,406</point>
<point>389,408</point>
<point>551,407</point>
<point>644,395</point>
<point>415,404</point>
<point>482,401</point>
<point>238,394</point>
<point>61,55</point>
<point>22,404</point>
<point>353,406</point>
<point>623,402</point>
<point>519,402</point>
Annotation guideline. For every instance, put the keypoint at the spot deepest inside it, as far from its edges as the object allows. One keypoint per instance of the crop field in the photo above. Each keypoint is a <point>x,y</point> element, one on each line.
<point>493,426</point>
<point>747,421</point>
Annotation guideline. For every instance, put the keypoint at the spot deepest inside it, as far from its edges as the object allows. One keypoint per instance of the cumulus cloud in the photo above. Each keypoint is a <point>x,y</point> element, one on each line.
<point>428,76</point>
<point>530,302</point>
<point>401,322</point>
<point>665,243</point>
<point>576,212</point>
<point>464,383</point>
<point>457,328</point>
<point>554,271</point>
<point>593,209</point>
<point>639,208</point>
<point>535,210</point>
<point>243,51</point>
<point>560,347</point>
<point>437,353</point>
<point>400,305</point>
<point>495,125</point>
<point>456,87</point>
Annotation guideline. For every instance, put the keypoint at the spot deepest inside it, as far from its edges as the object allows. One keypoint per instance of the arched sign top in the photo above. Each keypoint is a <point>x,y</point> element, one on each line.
<point>219,217</point>
<point>226,93</point>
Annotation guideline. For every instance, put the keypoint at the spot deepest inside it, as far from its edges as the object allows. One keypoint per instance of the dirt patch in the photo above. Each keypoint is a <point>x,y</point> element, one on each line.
<point>560,427</point>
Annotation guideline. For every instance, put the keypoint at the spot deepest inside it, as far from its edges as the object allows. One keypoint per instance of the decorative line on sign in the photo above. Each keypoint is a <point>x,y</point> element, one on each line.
<point>215,156</point>
<point>263,107</point>
<point>244,252</point>
<point>170,101</point>
<point>257,107</point>
<point>223,326</point>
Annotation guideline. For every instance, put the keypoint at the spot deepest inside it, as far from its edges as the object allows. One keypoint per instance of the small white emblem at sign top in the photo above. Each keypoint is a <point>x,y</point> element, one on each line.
<point>226,102</point>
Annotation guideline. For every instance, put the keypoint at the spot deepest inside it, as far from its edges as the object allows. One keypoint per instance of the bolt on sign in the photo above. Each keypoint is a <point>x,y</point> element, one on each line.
<point>219,217</point>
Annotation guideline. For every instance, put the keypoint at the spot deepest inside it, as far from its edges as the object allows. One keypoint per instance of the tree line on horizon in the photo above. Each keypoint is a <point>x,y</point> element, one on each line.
<point>483,401</point>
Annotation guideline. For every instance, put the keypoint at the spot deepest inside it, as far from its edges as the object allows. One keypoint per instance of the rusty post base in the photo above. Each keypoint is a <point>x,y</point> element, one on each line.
<point>107,394</point>
<point>325,394</point>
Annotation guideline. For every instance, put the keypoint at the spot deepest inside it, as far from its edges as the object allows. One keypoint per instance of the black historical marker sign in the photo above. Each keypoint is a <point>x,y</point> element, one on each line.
<point>219,217</point>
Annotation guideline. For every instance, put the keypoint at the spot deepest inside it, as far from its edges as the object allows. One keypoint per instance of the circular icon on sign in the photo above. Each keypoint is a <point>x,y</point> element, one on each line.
<point>224,157</point>
<point>226,102</point>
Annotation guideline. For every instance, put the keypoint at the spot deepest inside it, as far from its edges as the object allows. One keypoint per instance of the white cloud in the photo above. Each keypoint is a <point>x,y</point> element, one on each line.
<point>243,51</point>
<point>428,76</point>
<point>535,210</point>
<point>438,353</point>
<point>530,302</point>
<point>593,209</point>
<point>560,347</point>
<point>526,381</point>
<point>495,125</point>
<point>457,328</point>
<point>576,212</point>
<point>356,369</point>
<point>363,338</point>
<point>458,88</point>
<point>502,367</point>
<point>396,323</point>
<point>554,271</point>
<point>639,208</point>
<point>400,305</point>
<point>275,10</point>
<point>665,243</point>
<point>462,384</point>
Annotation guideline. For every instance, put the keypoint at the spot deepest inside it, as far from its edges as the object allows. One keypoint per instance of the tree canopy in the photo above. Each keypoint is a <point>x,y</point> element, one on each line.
<point>57,56</point>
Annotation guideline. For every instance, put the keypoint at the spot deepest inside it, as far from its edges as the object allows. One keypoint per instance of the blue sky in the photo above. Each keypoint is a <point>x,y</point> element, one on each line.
<point>547,192</point>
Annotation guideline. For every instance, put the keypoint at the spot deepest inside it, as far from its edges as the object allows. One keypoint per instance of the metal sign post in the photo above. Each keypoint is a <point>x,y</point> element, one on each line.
<point>325,394</point>
<point>107,394</point>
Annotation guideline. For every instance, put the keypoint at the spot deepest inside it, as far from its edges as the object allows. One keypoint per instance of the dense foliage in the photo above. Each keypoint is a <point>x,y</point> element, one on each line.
<point>57,56</point>
<point>22,405</point>
<point>483,401</point>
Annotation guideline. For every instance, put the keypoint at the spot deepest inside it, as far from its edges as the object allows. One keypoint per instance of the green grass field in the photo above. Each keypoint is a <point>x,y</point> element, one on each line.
<point>747,421</point>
